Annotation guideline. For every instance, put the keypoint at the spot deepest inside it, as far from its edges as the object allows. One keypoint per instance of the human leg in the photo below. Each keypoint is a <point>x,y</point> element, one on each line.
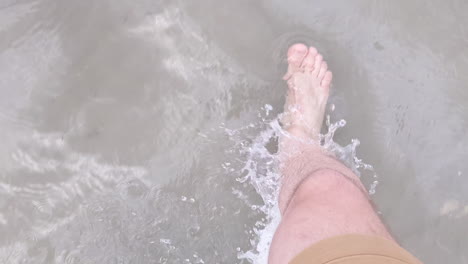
<point>320,198</point>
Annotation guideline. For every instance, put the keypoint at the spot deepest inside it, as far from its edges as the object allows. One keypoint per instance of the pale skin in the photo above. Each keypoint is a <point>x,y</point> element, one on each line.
<point>320,198</point>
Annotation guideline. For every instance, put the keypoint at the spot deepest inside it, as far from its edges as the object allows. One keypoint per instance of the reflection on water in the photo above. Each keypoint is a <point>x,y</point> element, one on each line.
<point>142,132</point>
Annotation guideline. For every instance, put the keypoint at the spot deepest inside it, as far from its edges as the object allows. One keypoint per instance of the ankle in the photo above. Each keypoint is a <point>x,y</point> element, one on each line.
<point>302,132</point>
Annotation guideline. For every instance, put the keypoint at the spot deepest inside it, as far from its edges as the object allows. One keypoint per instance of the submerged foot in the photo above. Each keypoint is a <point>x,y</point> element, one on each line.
<point>308,81</point>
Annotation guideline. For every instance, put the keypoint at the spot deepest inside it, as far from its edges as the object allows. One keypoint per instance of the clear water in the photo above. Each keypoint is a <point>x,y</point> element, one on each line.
<point>135,131</point>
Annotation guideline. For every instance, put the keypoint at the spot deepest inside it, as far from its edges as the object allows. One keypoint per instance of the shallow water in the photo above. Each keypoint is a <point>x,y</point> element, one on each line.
<point>128,126</point>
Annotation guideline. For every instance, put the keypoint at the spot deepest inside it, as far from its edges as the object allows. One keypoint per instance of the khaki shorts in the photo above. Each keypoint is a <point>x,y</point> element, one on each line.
<point>355,249</point>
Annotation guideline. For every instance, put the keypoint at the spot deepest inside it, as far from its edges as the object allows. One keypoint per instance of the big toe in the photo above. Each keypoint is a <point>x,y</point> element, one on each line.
<point>297,52</point>
<point>309,61</point>
<point>296,55</point>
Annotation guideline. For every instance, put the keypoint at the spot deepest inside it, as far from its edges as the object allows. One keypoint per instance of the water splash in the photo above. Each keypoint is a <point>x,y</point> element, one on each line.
<point>259,159</point>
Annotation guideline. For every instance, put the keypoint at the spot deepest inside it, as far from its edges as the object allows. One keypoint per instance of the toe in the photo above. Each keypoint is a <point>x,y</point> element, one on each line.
<point>296,55</point>
<point>318,63</point>
<point>309,62</point>
<point>297,49</point>
<point>323,70</point>
<point>327,79</point>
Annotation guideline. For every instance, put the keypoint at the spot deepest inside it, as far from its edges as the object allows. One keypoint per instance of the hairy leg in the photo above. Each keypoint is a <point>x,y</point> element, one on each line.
<point>320,198</point>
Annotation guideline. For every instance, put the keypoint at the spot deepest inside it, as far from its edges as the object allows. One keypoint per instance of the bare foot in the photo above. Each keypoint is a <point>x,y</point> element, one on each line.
<point>309,81</point>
